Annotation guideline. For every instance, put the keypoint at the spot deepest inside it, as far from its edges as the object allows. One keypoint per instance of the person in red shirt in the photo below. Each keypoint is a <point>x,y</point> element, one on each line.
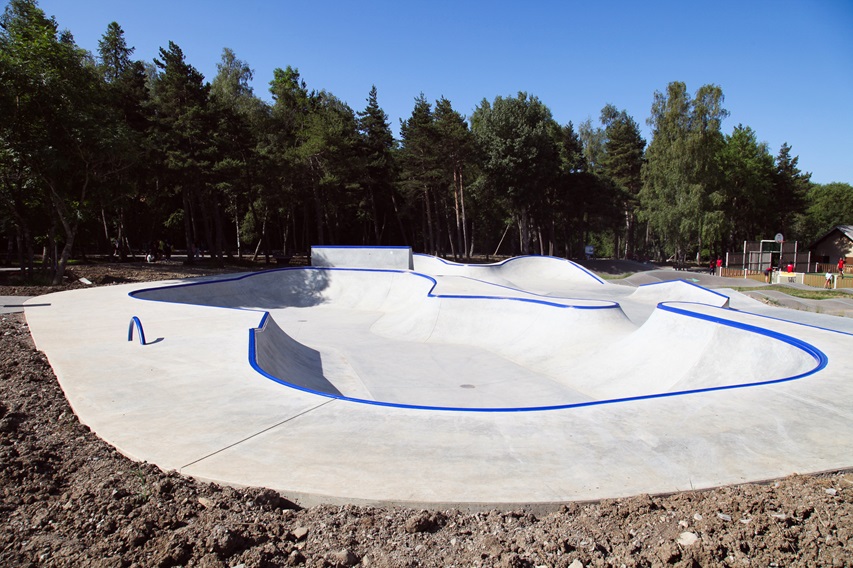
<point>841,267</point>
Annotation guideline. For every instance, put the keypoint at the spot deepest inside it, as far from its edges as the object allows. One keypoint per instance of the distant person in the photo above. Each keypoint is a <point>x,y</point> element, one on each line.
<point>790,268</point>
<point>719,264</point>
<point>828,283</point>
<point>767,272</point>
<point>712,269</point>
<point>841,266</point>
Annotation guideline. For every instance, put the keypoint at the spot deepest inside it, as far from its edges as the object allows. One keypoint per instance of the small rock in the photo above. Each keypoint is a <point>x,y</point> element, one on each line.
<point>687,538</point>
<point>422,522</point>
<point>345,557</point>
<point>205,502</point>
<point>746,521</point>
<point>831,491</point>
<point>295,558</point>
<point>724,517</point>
<point>697,517</point>
<point>300,533</point>
<point>576,564</point>
<point>683,524</point>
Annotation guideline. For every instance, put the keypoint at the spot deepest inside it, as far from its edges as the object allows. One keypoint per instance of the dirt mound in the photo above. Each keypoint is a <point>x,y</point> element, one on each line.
<point>69,499</point>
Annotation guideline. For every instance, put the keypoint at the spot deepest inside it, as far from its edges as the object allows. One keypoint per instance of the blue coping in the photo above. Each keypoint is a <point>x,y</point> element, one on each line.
<point>820,358</point>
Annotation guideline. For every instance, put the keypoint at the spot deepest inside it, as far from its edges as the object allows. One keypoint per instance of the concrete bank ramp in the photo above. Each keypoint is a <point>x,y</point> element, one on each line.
<point>523,272</point>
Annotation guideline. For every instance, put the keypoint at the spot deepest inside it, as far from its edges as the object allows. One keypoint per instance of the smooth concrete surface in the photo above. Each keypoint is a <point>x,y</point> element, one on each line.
<point>399,258</point>
<point>12,304</point>
<point>527,383</point>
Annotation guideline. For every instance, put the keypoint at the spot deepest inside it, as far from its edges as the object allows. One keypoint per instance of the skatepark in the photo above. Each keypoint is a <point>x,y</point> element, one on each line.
<point>406,379</point>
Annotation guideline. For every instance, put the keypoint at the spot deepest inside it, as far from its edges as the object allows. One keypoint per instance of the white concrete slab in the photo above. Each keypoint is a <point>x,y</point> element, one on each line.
<point>453,384</point>
<point>12,304</point>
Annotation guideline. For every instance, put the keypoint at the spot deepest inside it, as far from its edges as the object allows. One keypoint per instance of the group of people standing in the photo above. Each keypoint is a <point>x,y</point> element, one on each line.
<point>828,282</point>
<point>716,264</point>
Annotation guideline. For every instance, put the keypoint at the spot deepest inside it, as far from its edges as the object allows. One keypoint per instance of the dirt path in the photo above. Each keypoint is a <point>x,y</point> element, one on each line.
<point>69,499</point>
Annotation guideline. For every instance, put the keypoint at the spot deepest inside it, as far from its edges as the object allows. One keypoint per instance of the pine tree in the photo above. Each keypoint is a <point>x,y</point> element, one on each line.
<point>181,137</point>
<point>377,145</point>
<point>622,163</point>
<point>419,166</point>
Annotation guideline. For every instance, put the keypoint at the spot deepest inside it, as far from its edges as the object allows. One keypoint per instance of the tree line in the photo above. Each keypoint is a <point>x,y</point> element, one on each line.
<point>101,153</point>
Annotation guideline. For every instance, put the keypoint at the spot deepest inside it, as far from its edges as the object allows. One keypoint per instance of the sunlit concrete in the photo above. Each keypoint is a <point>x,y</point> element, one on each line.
<point>530,382</point>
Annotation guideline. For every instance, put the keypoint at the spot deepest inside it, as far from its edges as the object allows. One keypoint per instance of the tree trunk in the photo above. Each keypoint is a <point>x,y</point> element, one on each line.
<point>524,231</point>
<point>464,219</point>
<point>261,239</point>
<point>460,245</point>
<point>188,226</point>
<point>399,220</point>
<point>428,210</point>
<point>629,234</point>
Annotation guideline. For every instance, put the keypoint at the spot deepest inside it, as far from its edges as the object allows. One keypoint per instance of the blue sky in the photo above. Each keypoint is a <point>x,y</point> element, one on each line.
<point>786,68</point>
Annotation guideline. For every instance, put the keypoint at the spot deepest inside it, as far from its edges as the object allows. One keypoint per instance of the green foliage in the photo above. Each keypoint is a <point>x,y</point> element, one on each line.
<point>123,151</point>
<point>621,164</point>
<point>680,172</point>
<point>747,170</point>
<point>790,189</point>
<point>377,146</point>
<point>113,52</point>
<point>829,205</point>
<point>58,127</point>
<point>517,137</point>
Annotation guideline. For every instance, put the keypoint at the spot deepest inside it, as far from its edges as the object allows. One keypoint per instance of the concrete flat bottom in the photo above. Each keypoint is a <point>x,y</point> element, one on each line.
<point>527,383</point>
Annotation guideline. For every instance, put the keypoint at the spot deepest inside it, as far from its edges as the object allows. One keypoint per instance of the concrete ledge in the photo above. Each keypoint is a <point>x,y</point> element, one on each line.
<point>398,258</point>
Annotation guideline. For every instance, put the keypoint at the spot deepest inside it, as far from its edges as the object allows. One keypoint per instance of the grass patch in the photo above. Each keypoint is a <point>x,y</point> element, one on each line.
<point>816,294</point>
<point>605,276</point>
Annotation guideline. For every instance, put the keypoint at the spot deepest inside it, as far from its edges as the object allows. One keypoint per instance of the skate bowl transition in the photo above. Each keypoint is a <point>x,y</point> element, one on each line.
<point>378,376</point>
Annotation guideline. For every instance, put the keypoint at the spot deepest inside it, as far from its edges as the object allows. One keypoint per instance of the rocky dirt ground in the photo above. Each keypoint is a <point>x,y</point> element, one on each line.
<point>69,499</point>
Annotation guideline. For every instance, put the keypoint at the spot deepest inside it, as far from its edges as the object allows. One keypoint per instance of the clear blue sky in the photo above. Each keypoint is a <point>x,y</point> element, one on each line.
<point>786,68</point>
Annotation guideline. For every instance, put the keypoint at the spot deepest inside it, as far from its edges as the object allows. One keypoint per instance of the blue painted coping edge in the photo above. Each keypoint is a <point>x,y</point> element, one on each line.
<point>817,354</point>
<point>508,260</point>
<point>430,294</point>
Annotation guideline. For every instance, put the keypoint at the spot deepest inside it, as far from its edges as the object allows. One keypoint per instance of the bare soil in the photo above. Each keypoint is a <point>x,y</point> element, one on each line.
<point>69,499</point>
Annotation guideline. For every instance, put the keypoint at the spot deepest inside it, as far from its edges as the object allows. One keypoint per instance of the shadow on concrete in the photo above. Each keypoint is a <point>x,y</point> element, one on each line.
<point>285,360</point>
<point>271,289</point>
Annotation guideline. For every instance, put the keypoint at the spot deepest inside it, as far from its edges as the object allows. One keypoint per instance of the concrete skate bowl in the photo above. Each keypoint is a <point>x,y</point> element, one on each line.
<point>518,273</point>
<point>411,340</point>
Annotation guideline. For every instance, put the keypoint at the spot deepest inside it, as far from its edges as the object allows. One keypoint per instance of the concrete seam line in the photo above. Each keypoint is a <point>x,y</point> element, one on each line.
<point>238,442</point>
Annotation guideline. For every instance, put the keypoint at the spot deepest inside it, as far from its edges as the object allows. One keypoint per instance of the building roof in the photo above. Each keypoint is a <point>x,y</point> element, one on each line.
<point>846,230</point>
